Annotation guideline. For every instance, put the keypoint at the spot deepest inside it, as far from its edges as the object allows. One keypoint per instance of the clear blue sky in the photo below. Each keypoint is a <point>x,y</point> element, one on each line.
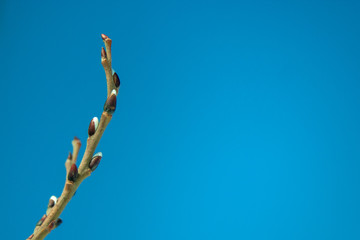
<point>235,119</point>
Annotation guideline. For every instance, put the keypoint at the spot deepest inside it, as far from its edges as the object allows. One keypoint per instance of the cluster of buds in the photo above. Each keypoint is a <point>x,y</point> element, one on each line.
<point>48,222</point>
<point>53,224</point>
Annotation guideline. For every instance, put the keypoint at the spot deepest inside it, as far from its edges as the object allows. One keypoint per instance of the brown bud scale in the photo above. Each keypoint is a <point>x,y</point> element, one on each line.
<point>104,37</point>
<point>110,104</point>
<point>69,156</point>
<point>51,203</point>
<point>94,163</point>
<point>73,173</point>
<point>91,129</point>
<point>58,222</point>
<point>51,225</point>
<point>116,80</point>
<point>103,53</point>
<point>76,141</point>
<point>94,123</point>
<point>41,220</point>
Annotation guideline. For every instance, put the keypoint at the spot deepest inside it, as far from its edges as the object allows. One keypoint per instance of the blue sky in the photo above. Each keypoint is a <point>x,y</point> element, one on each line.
<point>235,119</point>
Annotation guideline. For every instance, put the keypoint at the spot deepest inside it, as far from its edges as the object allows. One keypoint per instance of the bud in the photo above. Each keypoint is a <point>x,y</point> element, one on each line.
<point>51,225</point>
<point>110,104</point>
<point>58,222</point>
<point>116,80</point>
<point>103,53</point>
<point>73,173</point>
<point>31,236</point>
<point>94,163</point>
<point>41,220</point>
<point>69,156</point>
<point>52,201</point>
<point>104,37</point>
<point>93,126</point>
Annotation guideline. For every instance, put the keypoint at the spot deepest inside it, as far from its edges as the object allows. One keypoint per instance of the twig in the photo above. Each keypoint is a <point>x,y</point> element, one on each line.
<point>89,162</point>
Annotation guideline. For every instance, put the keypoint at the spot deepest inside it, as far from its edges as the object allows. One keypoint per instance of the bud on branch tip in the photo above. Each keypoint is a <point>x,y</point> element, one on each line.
<point>76,141</point>
<point>93,126</point>
<point>104,37</point>
<point>73,173</point>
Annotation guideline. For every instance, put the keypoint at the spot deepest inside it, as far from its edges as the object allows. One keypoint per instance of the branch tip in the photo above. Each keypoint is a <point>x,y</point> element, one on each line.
<point>104,37</point>
<point>76,141</point>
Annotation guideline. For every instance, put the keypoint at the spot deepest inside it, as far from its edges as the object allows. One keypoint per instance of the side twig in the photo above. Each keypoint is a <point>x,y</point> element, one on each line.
<point>89,162</point>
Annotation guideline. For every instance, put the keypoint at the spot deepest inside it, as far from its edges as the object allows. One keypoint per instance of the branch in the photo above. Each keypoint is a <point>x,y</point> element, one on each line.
<point>89,162</point>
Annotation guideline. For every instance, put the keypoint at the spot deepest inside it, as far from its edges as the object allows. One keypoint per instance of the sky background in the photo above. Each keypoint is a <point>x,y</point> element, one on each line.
<point>235,119</point>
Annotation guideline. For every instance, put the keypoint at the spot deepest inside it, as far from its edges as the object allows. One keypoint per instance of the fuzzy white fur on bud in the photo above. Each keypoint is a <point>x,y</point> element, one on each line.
<point>113,92</point>
<point>110,104</point>
<point>96,122</point>
<point>54,199</point>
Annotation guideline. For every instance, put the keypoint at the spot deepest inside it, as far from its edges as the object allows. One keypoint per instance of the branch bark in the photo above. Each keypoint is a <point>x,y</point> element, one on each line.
<point>75,176</point>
